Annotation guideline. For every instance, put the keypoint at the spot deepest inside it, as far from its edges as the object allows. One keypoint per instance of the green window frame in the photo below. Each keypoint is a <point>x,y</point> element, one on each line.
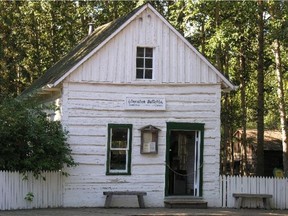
<point>119,144</point>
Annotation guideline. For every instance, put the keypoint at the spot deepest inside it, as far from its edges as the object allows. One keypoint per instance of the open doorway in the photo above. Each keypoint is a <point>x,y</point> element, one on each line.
<point>183,162</point>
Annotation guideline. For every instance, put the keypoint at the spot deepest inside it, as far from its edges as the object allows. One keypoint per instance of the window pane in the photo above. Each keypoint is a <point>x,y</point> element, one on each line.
<point>149,52</point>
<point>118,160</point>
<point>148,74</point>
<point>144,63</point>
<point>148,63</point>
<point>140,63</point>
<point>119,137</point>
<point>119,149</point>
<point>140,52</point>
<point>139,74</point>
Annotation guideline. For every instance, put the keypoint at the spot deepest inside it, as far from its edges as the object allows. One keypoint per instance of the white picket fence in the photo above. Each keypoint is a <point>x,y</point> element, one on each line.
<point>42,193</point>
<point>278,187</point>
<point>49,193</point>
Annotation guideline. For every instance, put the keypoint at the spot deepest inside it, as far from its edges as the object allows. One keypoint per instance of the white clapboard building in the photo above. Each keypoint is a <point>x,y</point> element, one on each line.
<point>142,107</point>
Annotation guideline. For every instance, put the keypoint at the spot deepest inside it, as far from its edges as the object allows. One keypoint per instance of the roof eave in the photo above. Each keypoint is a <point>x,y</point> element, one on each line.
<point>227,89</point>
<point>45,90</point>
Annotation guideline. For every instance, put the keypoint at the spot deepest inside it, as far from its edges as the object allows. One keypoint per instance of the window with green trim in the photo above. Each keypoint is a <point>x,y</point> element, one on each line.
<point>119,149</point>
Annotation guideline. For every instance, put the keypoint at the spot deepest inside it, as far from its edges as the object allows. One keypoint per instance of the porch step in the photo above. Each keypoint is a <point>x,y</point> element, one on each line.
<point>185,202</point>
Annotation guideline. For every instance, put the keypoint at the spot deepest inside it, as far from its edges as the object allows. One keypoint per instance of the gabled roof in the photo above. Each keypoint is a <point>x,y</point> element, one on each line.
<point>92,43</point>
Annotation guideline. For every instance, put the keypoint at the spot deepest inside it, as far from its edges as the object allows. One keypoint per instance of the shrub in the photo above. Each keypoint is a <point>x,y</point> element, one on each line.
<point>29,141</point>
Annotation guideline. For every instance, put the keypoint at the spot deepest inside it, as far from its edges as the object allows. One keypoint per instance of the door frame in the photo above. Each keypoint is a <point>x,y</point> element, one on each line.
<point>188,127</point>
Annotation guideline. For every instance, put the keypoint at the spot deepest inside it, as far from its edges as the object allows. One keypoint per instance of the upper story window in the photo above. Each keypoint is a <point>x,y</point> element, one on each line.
<point>144,63</point>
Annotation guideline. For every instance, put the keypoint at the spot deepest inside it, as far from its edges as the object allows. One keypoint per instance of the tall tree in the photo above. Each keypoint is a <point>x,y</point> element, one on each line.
<point>277,16</point>
<point>11,50</point>
<point>242,46</point>
<point>260,88</point>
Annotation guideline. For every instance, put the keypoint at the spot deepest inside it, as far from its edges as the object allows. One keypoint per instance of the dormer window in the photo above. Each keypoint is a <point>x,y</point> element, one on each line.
<point>144,63</point>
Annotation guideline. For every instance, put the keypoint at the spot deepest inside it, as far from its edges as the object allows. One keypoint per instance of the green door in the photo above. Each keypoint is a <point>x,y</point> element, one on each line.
<point>184,157</point>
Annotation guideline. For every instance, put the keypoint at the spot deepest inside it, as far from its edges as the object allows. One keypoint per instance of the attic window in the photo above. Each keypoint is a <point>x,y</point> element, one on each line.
<point>144,63</point>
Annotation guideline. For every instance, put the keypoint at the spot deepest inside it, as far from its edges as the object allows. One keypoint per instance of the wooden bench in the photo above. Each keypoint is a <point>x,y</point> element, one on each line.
<point>139,194</point>
<point>241,196</point>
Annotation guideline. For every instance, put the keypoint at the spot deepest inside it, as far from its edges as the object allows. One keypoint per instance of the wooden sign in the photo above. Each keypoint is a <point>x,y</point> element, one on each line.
<point>145,103</point>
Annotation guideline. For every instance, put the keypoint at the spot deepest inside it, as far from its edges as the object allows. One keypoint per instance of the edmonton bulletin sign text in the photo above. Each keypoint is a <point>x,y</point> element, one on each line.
<point>145,103</point>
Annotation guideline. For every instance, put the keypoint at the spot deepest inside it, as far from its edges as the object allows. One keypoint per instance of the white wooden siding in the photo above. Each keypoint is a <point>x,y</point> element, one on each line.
<point>174,61</point>
<point>90,107</point>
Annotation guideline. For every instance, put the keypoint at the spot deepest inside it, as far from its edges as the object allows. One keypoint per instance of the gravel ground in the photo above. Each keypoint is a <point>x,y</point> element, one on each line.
<point>141,212</point>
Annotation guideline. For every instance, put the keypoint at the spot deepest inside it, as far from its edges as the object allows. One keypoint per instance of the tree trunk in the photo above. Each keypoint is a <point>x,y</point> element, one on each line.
<point>203,40</point>
<point>282,108</point>
<point>260,88</point>
<point>224,138</point>
<point>218,48</point>
<point>226,156</point>
<point>243,108</point>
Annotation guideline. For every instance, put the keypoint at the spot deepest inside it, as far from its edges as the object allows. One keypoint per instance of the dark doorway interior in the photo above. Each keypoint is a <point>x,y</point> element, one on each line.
<point>183,164</point>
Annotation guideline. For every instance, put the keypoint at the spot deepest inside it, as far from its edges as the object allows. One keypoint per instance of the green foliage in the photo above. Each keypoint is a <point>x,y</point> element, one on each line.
<point>29,197</point>
<point>29,141</point>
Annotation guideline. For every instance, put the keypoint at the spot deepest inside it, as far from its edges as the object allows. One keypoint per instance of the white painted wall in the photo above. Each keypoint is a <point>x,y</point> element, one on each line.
<point>94,96</point>
<point>54,114</point>
<point>89,109</point>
